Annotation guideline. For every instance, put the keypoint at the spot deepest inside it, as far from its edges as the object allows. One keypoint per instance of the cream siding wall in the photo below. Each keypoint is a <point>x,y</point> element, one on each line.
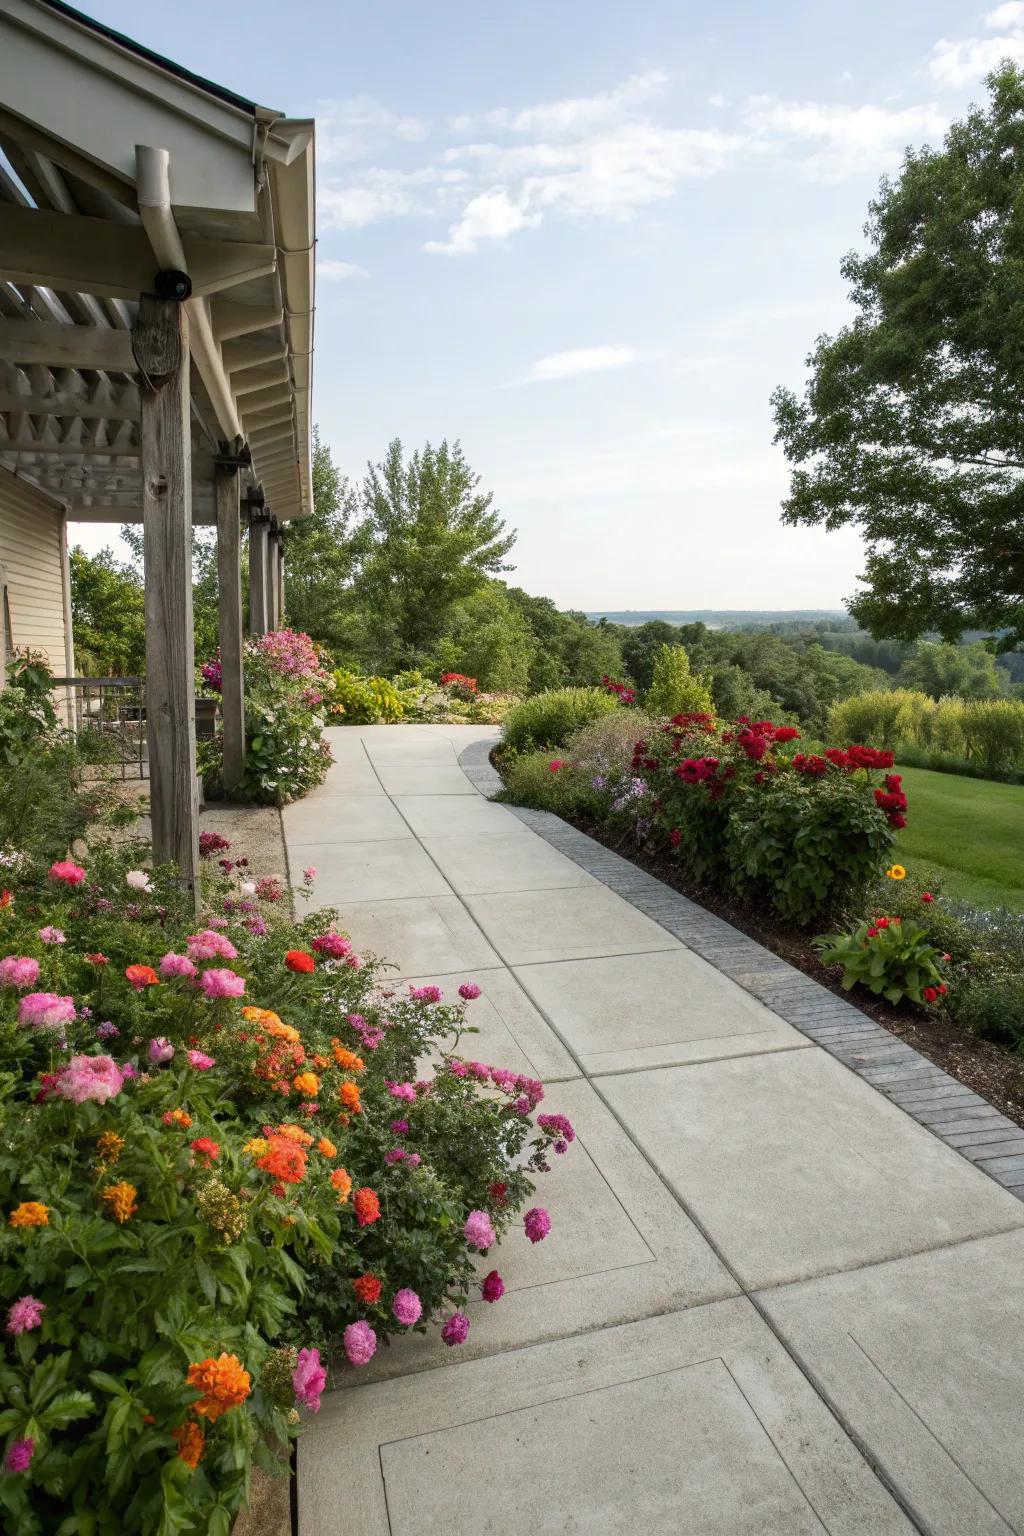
<point>32,543</point>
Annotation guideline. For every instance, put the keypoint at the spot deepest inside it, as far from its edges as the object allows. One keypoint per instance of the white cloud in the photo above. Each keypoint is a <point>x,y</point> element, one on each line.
<point>574,115</point>
<point>717,100</point>
<point>489,216</point>
<point>350,129</point>
<point>966,62</point>
<point>384,193</point>
<point>569,365</point>
<point>333,271</point>
<point>850,138</point>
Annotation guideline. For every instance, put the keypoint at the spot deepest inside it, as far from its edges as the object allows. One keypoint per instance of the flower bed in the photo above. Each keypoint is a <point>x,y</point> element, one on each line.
<point>454,699</point>
<point>223,1164</point>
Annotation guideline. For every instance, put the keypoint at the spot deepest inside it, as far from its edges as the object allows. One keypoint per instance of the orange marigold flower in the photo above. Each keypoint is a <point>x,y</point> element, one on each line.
<point>191,1443</point>
<point>141,976</point>
<point>348,1093</point>
<point>307,1083</point>
<point>347,1060</point>
<point>295,1133</point>
<point>30,1213</point>
<point>321,1063</point>
<point>285,1159</point>
<point>109,1146</point>
<point>256,1147</point>
<point>341,1182</point>
<point>367,1206</point>
<point>177,1117</point>
<point>223,1383</point>
<point>120,1201</point>
<point>326,1148</point>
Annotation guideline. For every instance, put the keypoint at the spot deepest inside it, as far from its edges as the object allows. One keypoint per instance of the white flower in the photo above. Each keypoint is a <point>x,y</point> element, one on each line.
<point>138,880</point>
<point>248,887</point>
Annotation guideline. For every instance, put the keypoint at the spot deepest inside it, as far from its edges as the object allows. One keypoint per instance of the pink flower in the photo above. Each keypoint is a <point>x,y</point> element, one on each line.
<point>257,927</point>
<point>332,945</point>
<point>469,990</point>
<point>19,1456</point>
<point>557,1125</point>
<point>138,880</point>
<point>309,874</point>
<point>456,1329</point>
<point>67,872</point>
<point>45,1010</point>
<point>173,965</point>
<point>50,935</point>
<point>537,1224</point>
<point>360,1343</point>
<point>406,1091</point>
<point>478,1231</point>
<point>210,945</point>
<point>160,1050</point>
<point>199,1060</point>
<point>309,1379</point>
<point>426,994</point>
<point>90,1077</point>
<point>492,1287</point>
<point>25,1314</point>
<point>18,971</point>
<point>222,983</point>
<point>407,1307</point>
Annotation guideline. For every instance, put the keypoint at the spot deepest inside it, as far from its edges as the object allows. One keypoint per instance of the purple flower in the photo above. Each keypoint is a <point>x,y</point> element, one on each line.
<point>19,1456</point>
<point>309,1378</point>
<point>257,927</point>
<point>478,1231</point>
<point>456,1329</point>
<point>469,990</point>
<point>400,1127</point>
<point>407,1307</point>
<point>537,1223</point>
<point>25,1314</point>
<point>492,1287</point>
<point>360,1343</point>
<point>396,1155</point>
<point>107,1030</point>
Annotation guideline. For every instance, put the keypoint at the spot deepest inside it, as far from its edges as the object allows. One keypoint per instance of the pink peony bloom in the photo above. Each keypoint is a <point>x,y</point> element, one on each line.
<point>492,1287</point>
<point>138,880</point>
<point>537,1224</point>
<point>426,994</point>
<point>199,1061</point>
<point>50,935</point>
<point>173,965</point>
<point>469,990</point>
<point>90,1077</point>
<point>309,1379</point>
<point>67,872</point>
<point>407,1307</point>
<point>160,1050</point>
<point>210,945</point>
<point>478,1231</point>
<point>25,1314</point>
<point>456,1329</point>
<point>18,971</point>
<point>360,1343</point>
<point>19,1456</point>
<point>406,1091</point>
<point>45,1010</point>
<point>332,945</point>
<point>222,983</point>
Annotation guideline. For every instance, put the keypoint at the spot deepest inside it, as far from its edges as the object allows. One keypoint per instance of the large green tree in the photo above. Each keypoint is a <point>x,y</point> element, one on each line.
<point>322,556</point>
<point>107,615</point>
<point>912,427</point>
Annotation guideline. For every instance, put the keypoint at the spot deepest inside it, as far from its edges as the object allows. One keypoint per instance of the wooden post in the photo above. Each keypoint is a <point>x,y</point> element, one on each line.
<point>280,581</point>
<point>160,346</point>
<point>259,528</point>
<point>229,624</point>
<point>272,576</point>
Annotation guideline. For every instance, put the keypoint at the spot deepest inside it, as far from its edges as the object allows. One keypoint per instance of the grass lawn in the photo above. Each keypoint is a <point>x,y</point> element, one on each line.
<point>969,832</point>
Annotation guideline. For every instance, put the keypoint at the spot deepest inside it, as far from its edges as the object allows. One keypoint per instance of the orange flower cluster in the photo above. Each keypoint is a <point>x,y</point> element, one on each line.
<point>348,1093</point>
<point>223,1383</point>
<point>272,1024</point>
<point>30,1213</point>
<point>177,1117</point>
<point>307,1083</point>
<point>326,1148</point>
<point>347,1060</point>
<point>341,1182</point>
<point>191,1443</point>
<point>293,1133</point>
<point>120,1201</point>
<point>109,1146</point>
<point>367,1207</point>
<point>284,1159</point>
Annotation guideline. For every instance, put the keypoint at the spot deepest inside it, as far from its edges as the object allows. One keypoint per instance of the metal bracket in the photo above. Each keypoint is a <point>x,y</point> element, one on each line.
<point>231,457</point>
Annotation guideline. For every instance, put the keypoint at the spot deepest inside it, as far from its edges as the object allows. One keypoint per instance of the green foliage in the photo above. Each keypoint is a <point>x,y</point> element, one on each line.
<point>107,615</point>
<point>546,783</point>
<point>548,720</point>
<point>674,689</point>
<point>488,638</point>
<point>968,833</point>
<point>27,715</point>
<point>969,671</point>
<point>892,958</point>
<point>322,555</point>
<point>910,426</point>
<point>988,733</point>
<point>366,700</point>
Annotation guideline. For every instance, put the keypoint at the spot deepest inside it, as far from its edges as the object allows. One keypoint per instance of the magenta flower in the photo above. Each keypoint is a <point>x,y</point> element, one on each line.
<point>400,1127</point>
<point>557,1125</point>
<point>332,945</point>
<point>199,1060</point>
<point>309,874</point>
<point>107,1030</point>
<point>173,965</point>
<point>51,935</point>
<point>396,1155</point>
<point>18,971</point>
<point>19,1456</point>
<point>210,945</point>
<point>492,1287</point>
<point>426,994</point>
<point>407,1307</point>
<point>469,990</point>
<point>360,1343</point>
<point>309,1379</point>
<point>257,927</point>
<point>25,1314</point>
<point>456,1329</point>
<point>406,1091</point>
<point>67,872</point>
<point>222,983</point>
<point>45,1010</point>
<point>90,1077</point>
<point>537,1224</point>
<point>160,1050</point>
<point>478,1231</point>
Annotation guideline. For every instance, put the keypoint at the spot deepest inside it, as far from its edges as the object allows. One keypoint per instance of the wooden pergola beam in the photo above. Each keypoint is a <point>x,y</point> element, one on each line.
<point>68,405</point>
<point>66,346</point>
<point>230,319</point>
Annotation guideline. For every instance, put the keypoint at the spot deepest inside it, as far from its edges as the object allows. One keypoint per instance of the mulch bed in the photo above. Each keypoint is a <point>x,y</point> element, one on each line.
<point>991,1070</point>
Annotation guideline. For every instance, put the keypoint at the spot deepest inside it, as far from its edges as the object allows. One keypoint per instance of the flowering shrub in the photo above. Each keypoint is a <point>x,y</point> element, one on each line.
<point>220,1156</point>
<point>365,700</point>
<point>287,685</point>
<point>623,692</point>
<point>459,685</point>
<point>892,958</point>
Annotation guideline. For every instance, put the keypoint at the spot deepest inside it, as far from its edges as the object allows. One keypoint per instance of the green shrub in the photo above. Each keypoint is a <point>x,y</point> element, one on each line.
<point>987,733</point>
<point>892,958</point>
<point>993,1009</point>
<point>27,715</point>
<point>674,689</point>
<point>366,700</point>
<point>880,718</point>
<point>546,722</point>
<point>546,783</point>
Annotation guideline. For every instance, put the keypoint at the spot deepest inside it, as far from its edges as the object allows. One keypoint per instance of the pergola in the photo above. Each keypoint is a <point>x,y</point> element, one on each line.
<point>156,336</point>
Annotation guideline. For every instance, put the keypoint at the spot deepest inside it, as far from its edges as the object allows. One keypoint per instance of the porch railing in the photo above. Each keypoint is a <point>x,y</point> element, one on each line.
<point>115,709</point>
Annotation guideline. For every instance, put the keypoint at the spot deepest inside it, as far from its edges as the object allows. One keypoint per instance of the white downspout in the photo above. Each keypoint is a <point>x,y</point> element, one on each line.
<point>153,185</point>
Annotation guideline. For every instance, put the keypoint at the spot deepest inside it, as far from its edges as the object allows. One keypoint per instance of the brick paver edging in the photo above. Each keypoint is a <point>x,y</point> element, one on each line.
<point>959,1117</point>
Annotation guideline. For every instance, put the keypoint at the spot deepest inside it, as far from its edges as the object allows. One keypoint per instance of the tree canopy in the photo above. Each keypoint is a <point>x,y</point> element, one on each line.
<point>911,425</point>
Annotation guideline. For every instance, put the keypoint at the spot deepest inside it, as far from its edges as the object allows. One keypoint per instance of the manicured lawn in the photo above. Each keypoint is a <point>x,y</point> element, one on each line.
<point>969,832</point>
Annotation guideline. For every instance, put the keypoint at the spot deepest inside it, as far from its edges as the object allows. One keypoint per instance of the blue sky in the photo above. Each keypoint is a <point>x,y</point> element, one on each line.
<point>588,239</point>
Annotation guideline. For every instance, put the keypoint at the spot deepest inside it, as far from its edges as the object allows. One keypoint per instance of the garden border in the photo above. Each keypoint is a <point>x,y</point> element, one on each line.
<point>956,1115</point>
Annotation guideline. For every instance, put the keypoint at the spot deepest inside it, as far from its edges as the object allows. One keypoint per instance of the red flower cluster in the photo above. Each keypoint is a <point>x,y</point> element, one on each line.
<point>642,760</point>
<point>300,960</point>
<point>697,721</point>
<point>211,843</point>
<point>696,770</point>
<point>627,695</point>
<point>813,767</point>
<point>869,757</point>
<point>891,799</point>
<point>458,680</point>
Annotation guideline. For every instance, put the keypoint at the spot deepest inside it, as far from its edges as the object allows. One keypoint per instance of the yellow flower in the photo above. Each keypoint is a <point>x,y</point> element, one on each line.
<point>120,1201</point>
<point>896,872</point>
<point>256,1147</point>
<point>307,1083</point>
<point>109,1146</point>
<point>30,1213</point>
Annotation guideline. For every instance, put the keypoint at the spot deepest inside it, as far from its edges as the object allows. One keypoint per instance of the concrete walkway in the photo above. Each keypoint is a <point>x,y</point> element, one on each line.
<point>771,1304</point>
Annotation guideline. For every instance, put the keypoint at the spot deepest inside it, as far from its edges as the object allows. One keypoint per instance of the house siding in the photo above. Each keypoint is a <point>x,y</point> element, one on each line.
<point>32,562</point>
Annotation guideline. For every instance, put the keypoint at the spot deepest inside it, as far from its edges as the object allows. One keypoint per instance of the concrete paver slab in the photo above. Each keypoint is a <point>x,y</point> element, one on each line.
<point>428,778</point>
<point>528,928</point>
<point>924,1358</point>
<point>477,864</point>
<point>459,816</point>
<point>796,1168</point>
<point>509,1031</point>
<point>375,871</point>
<point>426,935</point>
<point>343,819</point>
<point>693,1422</point>
<point>351,776</point>
<point>653,1010</point>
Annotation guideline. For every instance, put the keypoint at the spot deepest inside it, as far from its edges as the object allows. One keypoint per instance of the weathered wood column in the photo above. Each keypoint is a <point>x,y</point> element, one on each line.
<point>280,580</point>
<point>229,619</point>
<point>259,529</point>
<point>272,613</point>
<point>160,345</point>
